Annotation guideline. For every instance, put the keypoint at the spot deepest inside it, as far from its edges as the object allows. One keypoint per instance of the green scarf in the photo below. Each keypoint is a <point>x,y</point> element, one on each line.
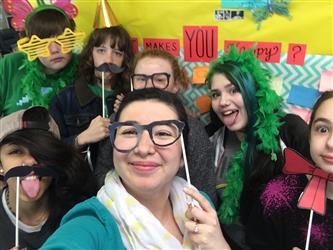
<point>97,90</point>
<point>36,78</point>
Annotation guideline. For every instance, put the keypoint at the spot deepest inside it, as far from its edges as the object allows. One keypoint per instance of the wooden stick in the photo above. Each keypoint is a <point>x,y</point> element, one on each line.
<point>309,231</point>
<point>103,100</point>
<point>131,85</point>
<point>185,160</point>
<point>17,211</point>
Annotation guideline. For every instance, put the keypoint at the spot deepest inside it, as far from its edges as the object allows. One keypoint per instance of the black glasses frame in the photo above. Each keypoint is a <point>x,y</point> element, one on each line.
<point>140,128</point>
<point>151,77</point>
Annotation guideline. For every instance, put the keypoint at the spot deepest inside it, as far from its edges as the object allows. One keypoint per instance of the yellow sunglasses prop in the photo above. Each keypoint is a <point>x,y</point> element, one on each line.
<point>37,47</point>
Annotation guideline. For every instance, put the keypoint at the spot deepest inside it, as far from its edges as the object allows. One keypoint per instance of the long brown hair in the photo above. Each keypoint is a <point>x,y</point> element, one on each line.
<point>119,37</point>
<point>76,182</point>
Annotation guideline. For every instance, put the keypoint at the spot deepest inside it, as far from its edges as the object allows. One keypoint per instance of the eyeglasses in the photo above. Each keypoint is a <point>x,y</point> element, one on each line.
<point>39,47</point>
<point>125,136</point>
<point>159,80</point>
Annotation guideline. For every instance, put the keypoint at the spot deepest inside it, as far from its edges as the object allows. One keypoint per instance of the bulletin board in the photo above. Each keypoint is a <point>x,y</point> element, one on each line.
<point>311,21</point>
<point>169,24</point>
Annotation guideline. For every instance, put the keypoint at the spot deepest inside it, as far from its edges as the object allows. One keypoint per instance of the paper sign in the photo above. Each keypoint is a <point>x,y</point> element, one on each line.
<point>296,54</point>
<point>199,74</point>
<point>135,44</point>
<point>305,114</point>
<point>240,45</point>
<point>200,43</point>
<point>203,103</point>
<point>265,51</point>
<point>326,81</point>
<point>302,96</point>
<point>228,15</point>
<point>268,52</point>
<point>169,45</point>
<point>251,4</point>
<point>277,84</point>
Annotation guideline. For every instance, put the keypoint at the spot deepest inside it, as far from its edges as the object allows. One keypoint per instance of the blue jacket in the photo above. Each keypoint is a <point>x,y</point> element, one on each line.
<point>89,225</point>
<point>74,107</point>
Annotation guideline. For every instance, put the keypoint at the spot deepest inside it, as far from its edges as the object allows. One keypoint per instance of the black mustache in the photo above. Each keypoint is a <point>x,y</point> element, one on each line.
<point>110,67</point>
<point>21,171</point>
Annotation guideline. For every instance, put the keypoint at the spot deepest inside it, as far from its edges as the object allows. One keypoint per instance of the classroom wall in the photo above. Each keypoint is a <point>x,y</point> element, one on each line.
<point>310,27</point>
<point>311,21</point>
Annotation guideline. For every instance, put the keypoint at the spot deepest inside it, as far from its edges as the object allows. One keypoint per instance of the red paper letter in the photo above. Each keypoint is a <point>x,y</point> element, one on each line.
<point>200,43</point>
<point>296,53</point>
<point>169,45</point>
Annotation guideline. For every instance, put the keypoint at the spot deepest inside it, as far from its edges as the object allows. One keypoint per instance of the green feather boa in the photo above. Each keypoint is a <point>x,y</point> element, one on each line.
<point>266,130</point>
<point>36,78</point>
<point>228,212</point>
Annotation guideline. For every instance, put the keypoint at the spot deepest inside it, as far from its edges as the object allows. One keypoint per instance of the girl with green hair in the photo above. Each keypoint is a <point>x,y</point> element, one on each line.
<point>250,132</point>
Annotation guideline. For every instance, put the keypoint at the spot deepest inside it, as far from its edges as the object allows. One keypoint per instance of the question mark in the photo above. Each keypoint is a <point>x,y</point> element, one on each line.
<point>296,50</point>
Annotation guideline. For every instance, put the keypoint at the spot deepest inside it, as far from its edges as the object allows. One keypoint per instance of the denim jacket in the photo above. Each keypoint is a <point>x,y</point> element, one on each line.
<point>74,107</point>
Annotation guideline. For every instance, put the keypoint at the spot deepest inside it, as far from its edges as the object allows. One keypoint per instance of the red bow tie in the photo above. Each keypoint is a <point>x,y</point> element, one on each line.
<point>314,195</point>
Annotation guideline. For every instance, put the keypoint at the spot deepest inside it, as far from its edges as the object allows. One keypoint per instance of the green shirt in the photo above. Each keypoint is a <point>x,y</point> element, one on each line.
<point>12,73</point>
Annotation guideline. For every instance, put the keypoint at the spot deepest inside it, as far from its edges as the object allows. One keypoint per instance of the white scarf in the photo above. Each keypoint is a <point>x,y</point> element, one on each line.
<point>139,228</point>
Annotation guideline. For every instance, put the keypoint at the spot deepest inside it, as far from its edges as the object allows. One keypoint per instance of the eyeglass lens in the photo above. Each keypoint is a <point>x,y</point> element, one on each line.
<point>127,136</point>
<point>159,80</point>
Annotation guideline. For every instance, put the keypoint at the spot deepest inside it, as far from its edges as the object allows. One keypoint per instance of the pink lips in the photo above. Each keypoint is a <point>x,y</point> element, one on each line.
<point>144,166</point>
<point>328,159</point>
<point>57,59</point>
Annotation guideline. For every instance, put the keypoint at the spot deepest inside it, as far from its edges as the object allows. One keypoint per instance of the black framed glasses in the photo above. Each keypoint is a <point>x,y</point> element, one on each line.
<point>125,136</point>
<point>158,80</point>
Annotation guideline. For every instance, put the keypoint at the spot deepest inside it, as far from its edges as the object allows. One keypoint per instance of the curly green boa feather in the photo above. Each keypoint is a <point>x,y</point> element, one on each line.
<point>36,78</point>
<point>228,212</point>
<point>266,130</point>
<point>279,7</point>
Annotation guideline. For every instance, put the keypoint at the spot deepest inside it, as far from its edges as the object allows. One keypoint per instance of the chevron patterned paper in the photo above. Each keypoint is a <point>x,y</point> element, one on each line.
<point>307,75</point>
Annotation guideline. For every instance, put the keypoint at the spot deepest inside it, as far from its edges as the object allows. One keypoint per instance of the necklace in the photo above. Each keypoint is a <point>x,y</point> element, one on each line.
<point>40,219</point>
<point>8,204</point>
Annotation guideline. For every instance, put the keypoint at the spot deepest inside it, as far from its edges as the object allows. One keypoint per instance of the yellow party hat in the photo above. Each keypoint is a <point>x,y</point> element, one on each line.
<point>104,15</point>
